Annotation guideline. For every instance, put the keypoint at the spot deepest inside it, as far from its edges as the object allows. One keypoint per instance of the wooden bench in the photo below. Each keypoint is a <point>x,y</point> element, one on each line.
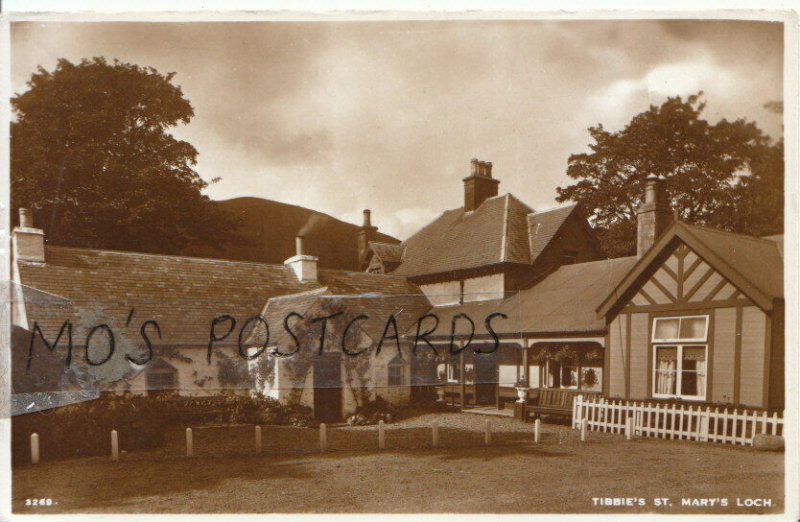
<point>552,402</point>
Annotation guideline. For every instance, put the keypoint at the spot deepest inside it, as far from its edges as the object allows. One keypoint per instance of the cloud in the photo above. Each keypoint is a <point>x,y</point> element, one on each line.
<point>386,115</point>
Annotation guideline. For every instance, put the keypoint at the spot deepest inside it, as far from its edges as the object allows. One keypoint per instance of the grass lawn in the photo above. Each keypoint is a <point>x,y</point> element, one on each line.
<point>514,475</point>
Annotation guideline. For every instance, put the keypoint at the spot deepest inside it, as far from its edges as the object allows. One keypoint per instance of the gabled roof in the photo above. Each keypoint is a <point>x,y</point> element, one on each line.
<point>387,252</point>
<point>183,294</point>
<point>399,298</point>
<point>754,265</point>
<point>544,225</point>
<point>496,232</point>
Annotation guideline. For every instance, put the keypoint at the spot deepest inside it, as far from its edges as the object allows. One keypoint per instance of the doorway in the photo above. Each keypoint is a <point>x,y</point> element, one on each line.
<point>328,387</point>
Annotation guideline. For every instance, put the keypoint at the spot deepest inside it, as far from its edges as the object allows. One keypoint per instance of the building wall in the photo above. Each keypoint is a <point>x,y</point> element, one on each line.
<point>194,376</point>
<point>617,357</point>
<point>742,355</point>
<point>724,359</point>
<point>442,294</point>
<point>484,288</point>
<point>751,373</point>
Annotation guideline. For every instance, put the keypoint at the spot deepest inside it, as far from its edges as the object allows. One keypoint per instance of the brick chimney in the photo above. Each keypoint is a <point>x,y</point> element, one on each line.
<point>365,234</point>
<point>27,242</point>
<point>304,266</point>
<point>479,185</point>
<point>654,215</point>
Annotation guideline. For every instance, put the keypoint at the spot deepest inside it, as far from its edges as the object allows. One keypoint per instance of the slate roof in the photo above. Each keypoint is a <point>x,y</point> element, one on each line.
<point>544,225</point>
<point>565,302</point>
<point>406,305</point>
<point>759,260</point>
<point>496,232</point>
<point>183,294</point>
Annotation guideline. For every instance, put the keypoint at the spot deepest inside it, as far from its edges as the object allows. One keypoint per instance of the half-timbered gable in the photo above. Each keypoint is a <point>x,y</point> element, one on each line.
<point>694,321</point>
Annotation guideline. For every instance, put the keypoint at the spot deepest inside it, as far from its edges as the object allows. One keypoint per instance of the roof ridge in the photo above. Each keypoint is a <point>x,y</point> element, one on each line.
<point>518,200</point>
<point>729,233</point>
<point>504,238</point>
<point>171,256</point>
<point>553,209</point>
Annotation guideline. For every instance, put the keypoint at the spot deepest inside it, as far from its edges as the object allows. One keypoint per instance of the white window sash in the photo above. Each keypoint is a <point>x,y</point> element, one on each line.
<point>701,375</point>
<point>680,339</point>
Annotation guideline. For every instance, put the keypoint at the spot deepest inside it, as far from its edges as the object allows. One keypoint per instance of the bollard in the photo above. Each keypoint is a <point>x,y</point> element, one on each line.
<point>189,445</point>
<point>584,425</point>
<point>536,428</point>
<point>258,440</point>
<point>435,432</point>
<point>114,446</point>
<point>34,448</point>
<point>487,435</point>
<point>323,436</point>
<point>629,428</point>
<point>381,436</point>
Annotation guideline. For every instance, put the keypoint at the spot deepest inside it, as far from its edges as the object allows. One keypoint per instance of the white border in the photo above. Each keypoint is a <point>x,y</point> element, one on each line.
<point>220,10</point>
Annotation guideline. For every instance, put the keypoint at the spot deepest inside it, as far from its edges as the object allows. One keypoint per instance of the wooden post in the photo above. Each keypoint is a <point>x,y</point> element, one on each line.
<point>536,427</point>
<point>435,434</point>
<point>704,425</point>
<point>114,446</point>
<point>462,378</point>
<point>258,440</point>
<point>487,433</point>
<point>189,443</point>
<point>34,448</point>
<point>629,428</point>
<point>381,436</point>
<point>323,437</point>
<point>584,425</point>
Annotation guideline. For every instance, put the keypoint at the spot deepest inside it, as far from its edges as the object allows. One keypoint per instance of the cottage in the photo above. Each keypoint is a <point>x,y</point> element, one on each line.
<point>487,297</point>
<point>699,317</point>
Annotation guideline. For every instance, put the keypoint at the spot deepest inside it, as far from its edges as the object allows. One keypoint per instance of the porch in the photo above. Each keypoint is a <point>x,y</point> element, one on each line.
<point>469,380</point>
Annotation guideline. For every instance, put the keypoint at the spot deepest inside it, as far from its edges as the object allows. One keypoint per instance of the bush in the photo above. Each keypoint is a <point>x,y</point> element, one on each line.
<point>372,412</point>
<point>84,429</point>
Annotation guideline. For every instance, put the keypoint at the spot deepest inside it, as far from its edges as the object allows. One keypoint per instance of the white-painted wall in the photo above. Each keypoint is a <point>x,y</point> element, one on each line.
<point>484,288</point>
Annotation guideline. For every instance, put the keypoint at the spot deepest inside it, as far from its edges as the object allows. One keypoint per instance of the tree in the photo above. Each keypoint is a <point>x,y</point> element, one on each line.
<point>92,155</point>
<point>710,171</point>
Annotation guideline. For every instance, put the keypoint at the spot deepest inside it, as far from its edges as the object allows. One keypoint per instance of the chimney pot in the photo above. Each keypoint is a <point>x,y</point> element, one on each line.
<point>475,166</point>
<point>25,218</point>
<point>367,218</point>
<point>27,241</point>
<point>479,186</point>
<point>298,245</point>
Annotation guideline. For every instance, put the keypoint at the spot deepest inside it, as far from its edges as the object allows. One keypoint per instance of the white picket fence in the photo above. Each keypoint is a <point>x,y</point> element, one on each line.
<point>672,421</point>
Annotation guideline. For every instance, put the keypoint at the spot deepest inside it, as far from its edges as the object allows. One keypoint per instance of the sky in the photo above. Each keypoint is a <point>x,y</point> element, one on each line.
<point>386,115</point>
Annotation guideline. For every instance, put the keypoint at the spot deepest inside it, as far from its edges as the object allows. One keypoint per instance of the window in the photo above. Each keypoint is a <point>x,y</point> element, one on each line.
<point>160,380</point>
<point>396,373</point>
<point>679,362</point>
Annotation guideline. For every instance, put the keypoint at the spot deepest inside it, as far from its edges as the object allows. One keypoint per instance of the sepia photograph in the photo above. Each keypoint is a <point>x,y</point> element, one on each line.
<point>393,264</point>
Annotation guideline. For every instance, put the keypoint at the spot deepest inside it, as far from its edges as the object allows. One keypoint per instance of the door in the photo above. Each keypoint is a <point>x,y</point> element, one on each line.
<point>486,377</point>
<point>328,387</point>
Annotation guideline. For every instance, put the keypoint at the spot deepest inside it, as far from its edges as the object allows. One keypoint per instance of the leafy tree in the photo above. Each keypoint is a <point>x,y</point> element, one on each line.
<point>711,172</point>
<point>92,155</point>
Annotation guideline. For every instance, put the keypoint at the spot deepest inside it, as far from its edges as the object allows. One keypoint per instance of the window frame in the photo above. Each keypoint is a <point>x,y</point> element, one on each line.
<point>679,344</point>
<point>678,340</point>
<point>159,374</point>
<point>400,368</point>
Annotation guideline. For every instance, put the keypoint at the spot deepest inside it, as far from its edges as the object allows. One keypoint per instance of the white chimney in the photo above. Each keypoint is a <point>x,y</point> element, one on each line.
<point>27,242</point>
<point>305,267</point>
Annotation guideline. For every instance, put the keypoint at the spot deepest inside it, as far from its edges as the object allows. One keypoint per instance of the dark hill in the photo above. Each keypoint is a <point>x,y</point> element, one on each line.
<point>268,229</point>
